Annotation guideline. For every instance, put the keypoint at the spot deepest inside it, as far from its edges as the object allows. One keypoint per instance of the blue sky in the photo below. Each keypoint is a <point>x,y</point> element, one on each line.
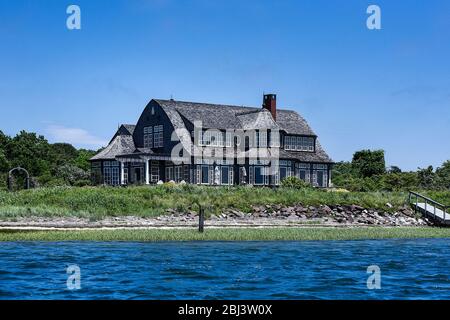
<point>358,88</point>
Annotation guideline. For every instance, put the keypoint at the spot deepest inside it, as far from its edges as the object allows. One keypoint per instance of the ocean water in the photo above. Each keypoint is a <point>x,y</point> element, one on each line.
<point>409,269</point>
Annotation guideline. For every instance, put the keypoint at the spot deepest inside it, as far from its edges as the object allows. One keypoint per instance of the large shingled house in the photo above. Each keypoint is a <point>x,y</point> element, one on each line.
<point>164,146</point>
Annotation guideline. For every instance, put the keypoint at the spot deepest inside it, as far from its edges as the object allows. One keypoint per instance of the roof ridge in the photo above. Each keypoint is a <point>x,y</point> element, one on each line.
<point>219,105</point>
<point>251,111</point>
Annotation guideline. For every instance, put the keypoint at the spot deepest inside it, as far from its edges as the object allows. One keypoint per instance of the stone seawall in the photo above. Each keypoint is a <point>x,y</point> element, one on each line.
<point>259,216</point>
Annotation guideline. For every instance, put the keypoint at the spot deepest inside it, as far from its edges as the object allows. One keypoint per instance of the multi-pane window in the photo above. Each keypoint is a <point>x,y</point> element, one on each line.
<point>259,175</point>
<point>148,137</point>
<point>205,175</point>
<point>158,136</point>
<point>320,175</point>
<point>111,173</point>
<point>226,175</point>
<point>228,139</point>
<point>285,169</point>
<point>274,139</point>
<point>261,139</point>
<point>169,173</point>
<point>178,173</point>
<point>299,143</point>
<point>154,171</point>
<point>125,173</point>
<point>303,171</point>
<point>212,138</point>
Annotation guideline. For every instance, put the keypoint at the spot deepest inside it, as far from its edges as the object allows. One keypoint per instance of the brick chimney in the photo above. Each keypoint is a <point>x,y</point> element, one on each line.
<point>270,103</point>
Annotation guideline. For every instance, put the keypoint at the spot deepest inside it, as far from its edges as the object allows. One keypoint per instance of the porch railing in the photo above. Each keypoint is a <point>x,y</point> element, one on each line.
<point>433,205</point>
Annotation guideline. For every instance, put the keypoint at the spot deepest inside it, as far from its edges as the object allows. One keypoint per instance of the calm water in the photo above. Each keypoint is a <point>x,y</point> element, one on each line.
<point>410,269</point>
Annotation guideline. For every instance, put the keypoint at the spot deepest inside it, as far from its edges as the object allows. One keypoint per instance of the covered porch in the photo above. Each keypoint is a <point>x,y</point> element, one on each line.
<point>149,169</point>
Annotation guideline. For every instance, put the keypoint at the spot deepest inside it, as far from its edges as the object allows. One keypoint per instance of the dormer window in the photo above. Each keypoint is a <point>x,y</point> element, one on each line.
<point>298,143</point>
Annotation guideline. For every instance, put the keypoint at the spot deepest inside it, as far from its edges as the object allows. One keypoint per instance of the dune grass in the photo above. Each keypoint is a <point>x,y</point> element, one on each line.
<point>99,202</point>
<point>228,234</point>
<point>149,201</point>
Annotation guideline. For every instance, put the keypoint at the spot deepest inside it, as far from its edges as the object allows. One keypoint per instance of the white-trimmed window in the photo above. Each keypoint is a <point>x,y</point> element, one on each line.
<point>320,175</point>
<point>169,173</point>
<point>125,174</point>
<point>228,139</point>
<point>205,174</point>
<point>154,171</point>
<point>178,173</point>
<point>213,138</point>
<point>285,169</point>
<point>148,137</point>
<point>259,175</point>
<point>111,173</point>
<point>158,134</point>
<point>303,171</point>
<point>261,139</point>
<point>226,175</point>
<point>274,139</point>
<point>299,143</point>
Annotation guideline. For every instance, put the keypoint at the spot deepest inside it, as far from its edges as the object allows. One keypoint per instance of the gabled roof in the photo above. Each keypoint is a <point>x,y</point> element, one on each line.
<point>219,116</point>
<point>130,128</point>
<point>121,143</point>
<point>257,119</point>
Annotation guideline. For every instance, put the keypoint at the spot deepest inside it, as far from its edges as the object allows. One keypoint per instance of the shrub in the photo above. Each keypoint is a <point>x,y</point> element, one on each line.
<point>295,183</point>
<point>82,183</point>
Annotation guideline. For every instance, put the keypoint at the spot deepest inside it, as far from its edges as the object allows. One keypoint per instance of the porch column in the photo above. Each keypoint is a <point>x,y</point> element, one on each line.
<point>147,172</point>
<point>329,175</point>
<point>122,173</point>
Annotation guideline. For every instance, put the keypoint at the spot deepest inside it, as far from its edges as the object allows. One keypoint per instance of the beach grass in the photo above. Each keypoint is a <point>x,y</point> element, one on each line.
<point>149,201</point>
<point>229,234</point>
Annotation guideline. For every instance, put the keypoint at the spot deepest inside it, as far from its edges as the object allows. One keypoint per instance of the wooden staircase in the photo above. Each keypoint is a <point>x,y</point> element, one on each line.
<point>431,209</point>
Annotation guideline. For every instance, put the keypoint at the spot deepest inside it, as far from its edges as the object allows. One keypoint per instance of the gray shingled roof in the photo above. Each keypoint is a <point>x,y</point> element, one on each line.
<point>218,116</point>
<point>258,119</point>
<point>121,143</point>
<point>130,128</point>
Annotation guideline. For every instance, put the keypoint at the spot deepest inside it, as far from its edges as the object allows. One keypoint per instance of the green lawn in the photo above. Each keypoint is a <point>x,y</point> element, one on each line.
<point>228,234</point>
<point>98,202</point>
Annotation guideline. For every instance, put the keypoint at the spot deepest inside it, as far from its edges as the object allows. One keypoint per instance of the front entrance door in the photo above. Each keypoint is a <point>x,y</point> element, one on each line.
<point>137,175</point>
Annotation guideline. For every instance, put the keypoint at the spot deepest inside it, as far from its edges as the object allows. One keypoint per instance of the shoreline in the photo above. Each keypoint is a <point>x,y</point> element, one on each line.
<point>225,234</point>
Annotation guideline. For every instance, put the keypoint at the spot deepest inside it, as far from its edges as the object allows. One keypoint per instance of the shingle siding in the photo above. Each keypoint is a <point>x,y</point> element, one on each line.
<point>128,141</point>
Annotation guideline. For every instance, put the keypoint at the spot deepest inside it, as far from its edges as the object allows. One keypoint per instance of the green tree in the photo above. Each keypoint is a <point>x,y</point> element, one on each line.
<point>4,163</point>
<point>443,175</point>
<point>29,151</point>
<point>400,181</point>
<point>369,163</point>
<point>4,140</point>
<point>394,169</point>
<point>426,177</point>
<point>63,153</point>
<point>82,159</point>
